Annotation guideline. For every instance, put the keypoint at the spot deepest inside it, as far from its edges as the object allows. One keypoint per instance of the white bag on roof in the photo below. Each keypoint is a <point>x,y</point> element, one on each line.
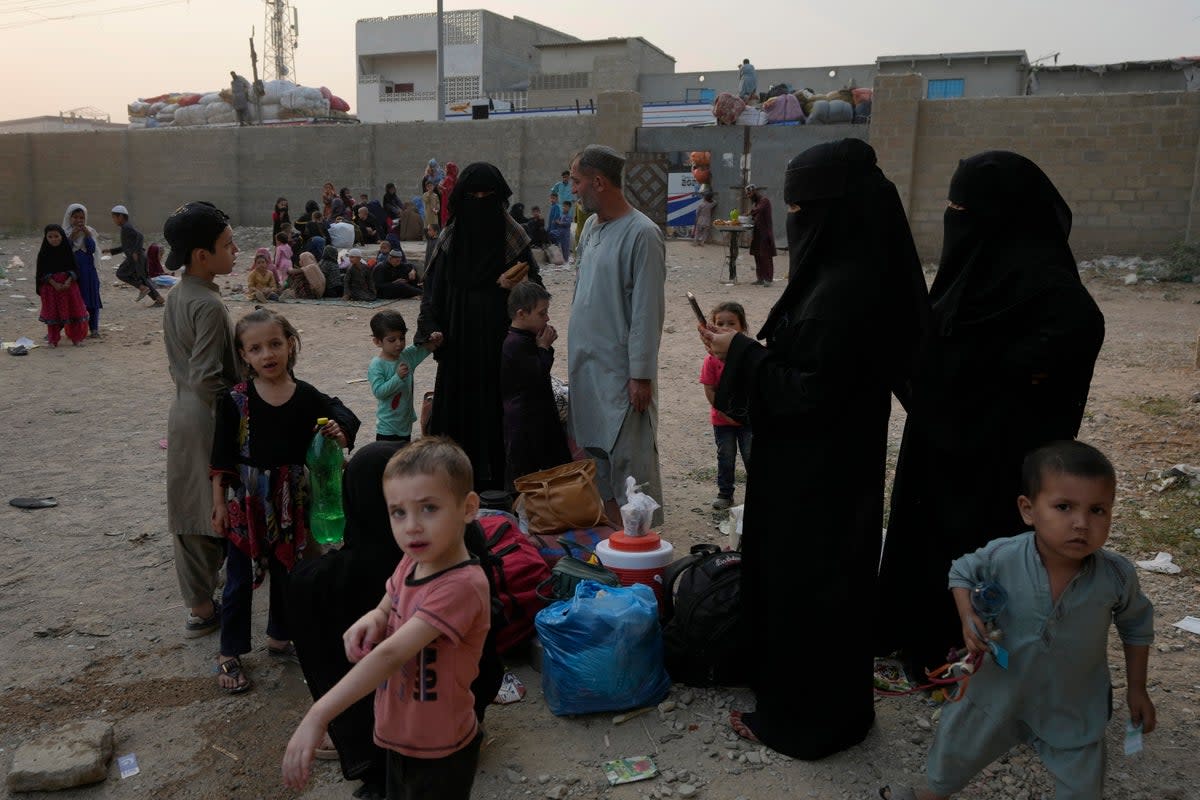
<point>210,98</point>
<point>303,98</point>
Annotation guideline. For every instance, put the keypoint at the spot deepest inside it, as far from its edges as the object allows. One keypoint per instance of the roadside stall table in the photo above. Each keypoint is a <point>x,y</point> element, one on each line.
<point>733,231</point>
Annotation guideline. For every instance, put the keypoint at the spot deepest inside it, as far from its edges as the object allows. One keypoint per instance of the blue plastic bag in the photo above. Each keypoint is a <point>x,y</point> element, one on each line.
<point>603,650</point>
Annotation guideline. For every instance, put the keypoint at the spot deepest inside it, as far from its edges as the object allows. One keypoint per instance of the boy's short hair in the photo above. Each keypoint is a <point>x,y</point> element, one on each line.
<point>536,208</point>
<point>386,322</point>
<point>600,159</point>
<point>1066,457</point>
<point>430,455</point>
<point>566,202</point>
<point>525,296</point>
<point>730,307</point>
<point>281,238</point>
<point>192,226</point>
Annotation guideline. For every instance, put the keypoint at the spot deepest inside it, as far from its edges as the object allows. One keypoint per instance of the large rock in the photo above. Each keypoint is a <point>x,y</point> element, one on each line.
<point>74,755</point>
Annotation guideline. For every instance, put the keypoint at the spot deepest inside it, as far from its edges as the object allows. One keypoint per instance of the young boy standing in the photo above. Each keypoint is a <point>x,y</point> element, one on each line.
<point>390,376</point>
<point>201,360</point>
<point>421,646</point>
<point>133,269</point>
<point>1064,591</point>
<point>534,438</point>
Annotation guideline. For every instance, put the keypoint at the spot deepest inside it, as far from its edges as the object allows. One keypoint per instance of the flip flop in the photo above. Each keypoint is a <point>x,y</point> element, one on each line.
<point>285,653</point>
<point>18,350</point>
<point>33,502</point>
<point>233,668</point>
<point>741,728</point>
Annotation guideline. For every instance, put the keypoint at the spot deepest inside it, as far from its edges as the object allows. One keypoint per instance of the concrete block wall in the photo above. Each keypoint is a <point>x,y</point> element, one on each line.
<point>894,110</point>
<point>618,116</point>
<point>243,170</point>
<point>1124,163</point>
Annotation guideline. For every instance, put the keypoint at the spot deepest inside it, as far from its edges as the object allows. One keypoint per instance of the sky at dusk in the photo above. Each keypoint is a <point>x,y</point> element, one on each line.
<point>63,54</point>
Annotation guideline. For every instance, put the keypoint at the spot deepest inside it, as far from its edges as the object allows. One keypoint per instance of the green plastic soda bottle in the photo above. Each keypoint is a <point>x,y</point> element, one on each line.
<point>325,462</point>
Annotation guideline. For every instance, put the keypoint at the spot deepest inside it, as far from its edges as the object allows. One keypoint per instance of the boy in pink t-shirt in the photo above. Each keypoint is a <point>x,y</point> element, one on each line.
<point>729,435</point>
<point>421,646</point>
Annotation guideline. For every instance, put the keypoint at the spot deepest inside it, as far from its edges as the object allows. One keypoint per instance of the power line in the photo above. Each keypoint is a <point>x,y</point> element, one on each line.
<point>99,13</point>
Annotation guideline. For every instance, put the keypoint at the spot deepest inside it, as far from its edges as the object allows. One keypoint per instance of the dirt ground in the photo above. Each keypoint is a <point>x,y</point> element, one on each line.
<point>92,618</point>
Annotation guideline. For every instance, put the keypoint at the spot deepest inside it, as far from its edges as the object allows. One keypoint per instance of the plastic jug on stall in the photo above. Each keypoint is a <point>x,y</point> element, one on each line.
<point>325,463</point>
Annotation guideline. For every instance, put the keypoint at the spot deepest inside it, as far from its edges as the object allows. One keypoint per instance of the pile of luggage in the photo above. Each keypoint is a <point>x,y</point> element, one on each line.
<point>279,99</point>
<point>782,104</point>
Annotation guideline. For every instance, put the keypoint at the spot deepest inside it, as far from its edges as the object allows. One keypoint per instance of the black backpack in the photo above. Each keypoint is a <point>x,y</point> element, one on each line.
<point>703,633</point>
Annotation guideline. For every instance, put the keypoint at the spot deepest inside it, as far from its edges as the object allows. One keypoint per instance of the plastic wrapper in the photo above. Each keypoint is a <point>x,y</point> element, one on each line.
<point>638,510</point>
<point>603,650</point>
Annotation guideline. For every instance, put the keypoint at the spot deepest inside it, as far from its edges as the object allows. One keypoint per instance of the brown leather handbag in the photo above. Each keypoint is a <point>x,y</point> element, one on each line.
<point>562,498</point>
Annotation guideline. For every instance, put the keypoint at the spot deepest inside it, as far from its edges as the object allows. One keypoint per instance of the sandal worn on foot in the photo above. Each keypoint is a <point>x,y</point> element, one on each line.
<point>285,653</point>
<point>233,669</point>
<point>741,728</point>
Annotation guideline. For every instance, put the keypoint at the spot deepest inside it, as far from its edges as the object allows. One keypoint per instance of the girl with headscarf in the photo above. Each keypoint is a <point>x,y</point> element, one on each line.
<point>332,592</point>
<point>57,283</point>
<point>517,212</point>
<point>1007,370</point>
<point>306,282</point>
<point>154,266</point>
<point>279,216</point>
<point>841,339</point>
<point>331,268</point>
<point>466,301</point>
<point>445,189</point>
<point>83,239</point>
<point>315,246</point>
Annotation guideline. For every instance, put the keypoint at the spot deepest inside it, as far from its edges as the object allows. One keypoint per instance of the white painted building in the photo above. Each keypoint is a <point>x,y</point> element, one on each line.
<point>486,55</point>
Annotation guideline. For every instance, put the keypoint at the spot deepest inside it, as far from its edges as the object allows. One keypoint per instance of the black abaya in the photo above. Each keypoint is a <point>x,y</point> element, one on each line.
<point>1008,371</point>
<point>329,594</point>
<point>463,301</point>
<point>838,341</point>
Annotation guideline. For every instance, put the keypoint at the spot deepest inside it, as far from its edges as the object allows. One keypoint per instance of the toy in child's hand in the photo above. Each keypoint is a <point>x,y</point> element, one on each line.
<point>988,600</point>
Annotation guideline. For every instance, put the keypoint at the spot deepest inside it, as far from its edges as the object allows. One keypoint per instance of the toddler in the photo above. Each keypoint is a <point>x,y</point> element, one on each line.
<point>1064,591</point>
<point>391,376</point>
<point>729,434</point>
<point>422,644</point>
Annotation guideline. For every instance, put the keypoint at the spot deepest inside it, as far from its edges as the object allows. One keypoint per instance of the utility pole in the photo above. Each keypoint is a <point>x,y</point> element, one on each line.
<point>441,69</point>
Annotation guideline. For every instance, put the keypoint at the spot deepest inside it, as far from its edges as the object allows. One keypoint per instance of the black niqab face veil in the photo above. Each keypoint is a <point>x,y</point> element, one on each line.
<point>475,252</point>
<point>1005,243</point>
<point>850,250</point>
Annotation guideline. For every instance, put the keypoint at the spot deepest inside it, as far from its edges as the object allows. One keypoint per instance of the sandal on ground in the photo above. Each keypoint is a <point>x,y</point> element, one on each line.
<point>196,627</point>
<point>741,728</point>
<point>233,669</point>
<point>903,793</point>
<point>326,751</point>
<point>285,653</point>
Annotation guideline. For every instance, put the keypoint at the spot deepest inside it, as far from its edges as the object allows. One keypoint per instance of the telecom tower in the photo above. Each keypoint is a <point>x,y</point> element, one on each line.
<point>282,30</point>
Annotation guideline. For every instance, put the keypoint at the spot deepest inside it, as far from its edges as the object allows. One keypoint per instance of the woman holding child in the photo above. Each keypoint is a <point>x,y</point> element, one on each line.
<point>466,300</point>
<point>841,339</point>
<point>1008,370</point>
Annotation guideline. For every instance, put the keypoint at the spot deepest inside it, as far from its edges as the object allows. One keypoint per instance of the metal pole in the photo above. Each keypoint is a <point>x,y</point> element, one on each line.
<point>441,69</point>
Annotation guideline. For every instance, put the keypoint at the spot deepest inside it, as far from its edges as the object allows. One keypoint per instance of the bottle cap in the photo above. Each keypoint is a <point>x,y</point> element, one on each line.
<point>322,422</point>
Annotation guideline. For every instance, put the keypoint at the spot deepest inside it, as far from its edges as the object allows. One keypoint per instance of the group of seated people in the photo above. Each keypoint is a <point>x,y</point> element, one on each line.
<point>361,274</point>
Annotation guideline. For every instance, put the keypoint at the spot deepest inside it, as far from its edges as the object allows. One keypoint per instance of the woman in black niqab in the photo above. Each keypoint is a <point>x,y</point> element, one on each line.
<point>841,338</point>
<point>465,303</point>
<point>1008,370</point>
<point>329,594</point>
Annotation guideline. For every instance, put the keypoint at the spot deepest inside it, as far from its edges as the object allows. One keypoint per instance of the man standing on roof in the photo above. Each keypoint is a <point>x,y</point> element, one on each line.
<point>240,88</point>
<point>749,80</point>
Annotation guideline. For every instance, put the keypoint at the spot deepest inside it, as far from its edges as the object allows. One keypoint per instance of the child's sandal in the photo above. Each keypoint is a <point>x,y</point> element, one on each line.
<point>233,669</point>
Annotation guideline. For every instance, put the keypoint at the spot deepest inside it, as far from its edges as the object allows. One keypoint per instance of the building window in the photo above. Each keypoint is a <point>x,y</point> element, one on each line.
<point>398,88</point>
<point>945,88</point>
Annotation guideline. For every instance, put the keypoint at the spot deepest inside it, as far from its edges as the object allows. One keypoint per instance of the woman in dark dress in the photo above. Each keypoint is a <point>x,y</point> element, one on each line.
<point>841,339</point>
<point>1008,370</point>
<point>466,301</point>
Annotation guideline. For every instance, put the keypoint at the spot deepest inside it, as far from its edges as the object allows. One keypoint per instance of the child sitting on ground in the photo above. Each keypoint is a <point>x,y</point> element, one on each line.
<point>357,282</point>
<point>261,284</point>
<point>1063,593</point>
<point>729,434</point>
<point>391,376</point>
<point>421,646</point>
<point>534,438</point>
